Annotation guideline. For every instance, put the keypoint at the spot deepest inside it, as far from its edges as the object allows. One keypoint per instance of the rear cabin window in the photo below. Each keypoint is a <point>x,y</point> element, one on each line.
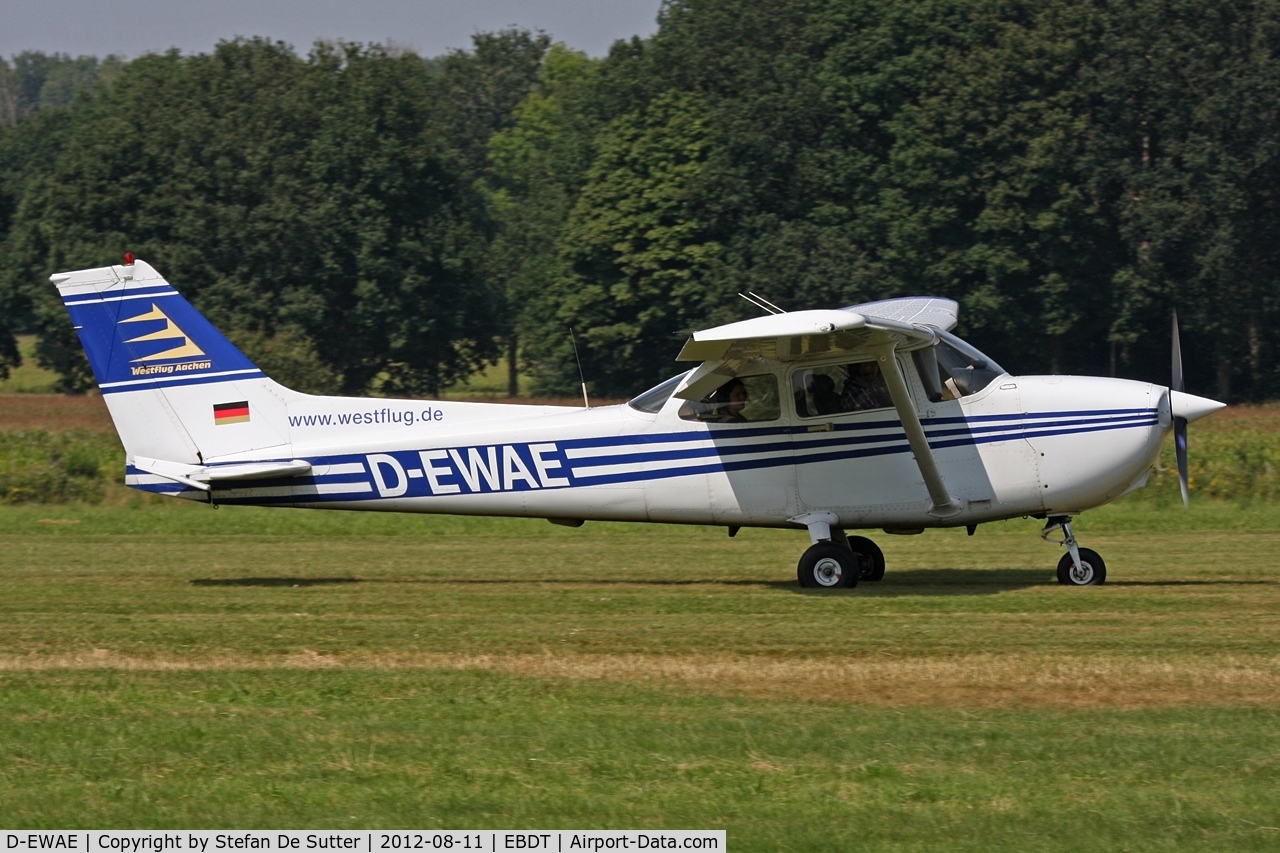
<point>837,389</point>
<point>741,400</point>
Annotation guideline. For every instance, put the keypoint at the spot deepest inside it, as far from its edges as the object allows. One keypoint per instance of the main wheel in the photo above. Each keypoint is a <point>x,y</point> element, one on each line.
<point>827,565</point>
<point>872,557</point>
<point>1092,570</point>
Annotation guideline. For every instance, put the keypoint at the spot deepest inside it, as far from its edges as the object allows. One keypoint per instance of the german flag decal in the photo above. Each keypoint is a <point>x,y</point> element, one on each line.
<point>231,413</point>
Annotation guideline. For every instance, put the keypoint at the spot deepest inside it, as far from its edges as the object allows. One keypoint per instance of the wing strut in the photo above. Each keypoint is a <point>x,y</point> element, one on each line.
<point>943,503</point>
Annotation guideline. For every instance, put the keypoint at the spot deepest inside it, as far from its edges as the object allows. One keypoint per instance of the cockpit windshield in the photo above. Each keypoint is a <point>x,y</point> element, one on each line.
<point>951,369</point>
<point>652,401</point>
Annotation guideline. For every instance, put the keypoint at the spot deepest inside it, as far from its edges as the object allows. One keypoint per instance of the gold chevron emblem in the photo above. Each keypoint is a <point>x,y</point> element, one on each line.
<point>169,332</point>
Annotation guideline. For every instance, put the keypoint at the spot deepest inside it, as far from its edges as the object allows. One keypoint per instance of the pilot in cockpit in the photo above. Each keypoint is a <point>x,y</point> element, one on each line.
<point>863,388</point>
<point>744,399</point>
<point>728,401</point>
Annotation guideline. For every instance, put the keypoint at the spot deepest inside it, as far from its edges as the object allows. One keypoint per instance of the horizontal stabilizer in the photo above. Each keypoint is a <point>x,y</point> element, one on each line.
<point>254,471</point>
<point>177,471</point>
<point>205,477</point>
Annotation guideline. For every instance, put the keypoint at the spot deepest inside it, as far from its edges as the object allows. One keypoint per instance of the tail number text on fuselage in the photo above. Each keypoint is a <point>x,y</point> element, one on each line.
<point>468,470</point>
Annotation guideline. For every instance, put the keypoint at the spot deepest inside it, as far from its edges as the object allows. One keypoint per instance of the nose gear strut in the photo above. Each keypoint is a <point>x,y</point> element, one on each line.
<point>1080,566</point>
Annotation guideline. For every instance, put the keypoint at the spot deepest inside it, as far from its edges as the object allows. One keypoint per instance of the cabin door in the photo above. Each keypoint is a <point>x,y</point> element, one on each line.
<point>850,450</point>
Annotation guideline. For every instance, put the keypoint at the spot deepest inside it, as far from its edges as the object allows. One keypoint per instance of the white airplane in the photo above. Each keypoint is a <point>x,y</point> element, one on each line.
<point>871,416</point>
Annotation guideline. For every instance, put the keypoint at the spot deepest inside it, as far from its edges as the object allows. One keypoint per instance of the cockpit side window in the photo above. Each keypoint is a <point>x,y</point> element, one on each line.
<point>741,400</point>
<point>652,401</point>
<point>951,369</point>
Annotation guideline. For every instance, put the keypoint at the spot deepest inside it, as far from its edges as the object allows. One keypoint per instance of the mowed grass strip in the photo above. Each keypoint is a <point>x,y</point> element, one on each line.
<point>175,665</point>
<point>977,621</point>
<point>54,412</point>
<point>465,749</point>
<point>977,681</point>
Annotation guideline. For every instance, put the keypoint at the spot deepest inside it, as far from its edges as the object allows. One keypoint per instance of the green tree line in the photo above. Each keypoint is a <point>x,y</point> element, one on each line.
<point>1069,172</point>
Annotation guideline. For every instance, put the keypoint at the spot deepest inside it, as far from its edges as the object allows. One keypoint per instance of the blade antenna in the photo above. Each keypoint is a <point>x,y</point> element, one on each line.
<point>776,309</point>
<point>581,378</point>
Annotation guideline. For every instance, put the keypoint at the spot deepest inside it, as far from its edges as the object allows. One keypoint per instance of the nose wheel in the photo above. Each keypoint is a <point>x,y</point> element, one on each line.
<point>1089,572</point>
<point>1079,566</point>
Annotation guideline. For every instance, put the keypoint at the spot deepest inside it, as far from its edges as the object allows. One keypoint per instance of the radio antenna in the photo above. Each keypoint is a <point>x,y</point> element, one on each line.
<point>581,378</point>
<point>755,300</point>
<point>766,302</point>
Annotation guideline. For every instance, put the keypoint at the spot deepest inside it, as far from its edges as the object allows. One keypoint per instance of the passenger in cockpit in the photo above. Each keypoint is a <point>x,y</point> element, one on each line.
<point>863,389</point>
<point>825,399</point>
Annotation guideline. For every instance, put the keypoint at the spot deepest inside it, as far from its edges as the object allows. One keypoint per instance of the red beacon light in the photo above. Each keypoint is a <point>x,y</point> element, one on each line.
<point>128,259</point>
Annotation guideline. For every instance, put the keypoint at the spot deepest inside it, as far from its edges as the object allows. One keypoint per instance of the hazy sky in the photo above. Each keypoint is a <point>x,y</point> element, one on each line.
<point>429,27</point>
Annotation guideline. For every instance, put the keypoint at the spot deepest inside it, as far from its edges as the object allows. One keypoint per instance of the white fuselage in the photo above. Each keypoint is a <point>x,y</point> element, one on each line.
<point>1024,445</point>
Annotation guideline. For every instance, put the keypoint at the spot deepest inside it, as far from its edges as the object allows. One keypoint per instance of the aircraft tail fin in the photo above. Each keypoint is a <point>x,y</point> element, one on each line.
<point>178,391</point>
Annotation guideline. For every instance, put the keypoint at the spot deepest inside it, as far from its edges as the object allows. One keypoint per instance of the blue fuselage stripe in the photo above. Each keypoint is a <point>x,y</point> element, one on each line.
<point>936,440</point>
<point>721,432</point>
<point>719,456</point>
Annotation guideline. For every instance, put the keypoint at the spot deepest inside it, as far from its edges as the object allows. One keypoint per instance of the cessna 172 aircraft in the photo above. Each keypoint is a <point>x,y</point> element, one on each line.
<point>871,416</point>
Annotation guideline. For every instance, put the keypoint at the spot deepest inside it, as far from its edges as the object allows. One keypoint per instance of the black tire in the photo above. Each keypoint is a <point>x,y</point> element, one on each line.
<point>872,558</point>
<point>1095,571</point>
<point>827,565</point>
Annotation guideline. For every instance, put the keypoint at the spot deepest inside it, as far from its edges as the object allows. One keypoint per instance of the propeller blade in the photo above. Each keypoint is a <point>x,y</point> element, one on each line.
<point>1180,450</point>
<point>1179,424</point>
<point>1178,384</point>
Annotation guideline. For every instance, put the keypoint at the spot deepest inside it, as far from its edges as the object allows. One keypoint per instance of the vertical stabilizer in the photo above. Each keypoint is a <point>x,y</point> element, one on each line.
<point>177,389</point>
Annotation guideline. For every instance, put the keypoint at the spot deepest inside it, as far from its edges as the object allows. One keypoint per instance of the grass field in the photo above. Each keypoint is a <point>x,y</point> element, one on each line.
<point>164,664</point>
<point>28,377</point>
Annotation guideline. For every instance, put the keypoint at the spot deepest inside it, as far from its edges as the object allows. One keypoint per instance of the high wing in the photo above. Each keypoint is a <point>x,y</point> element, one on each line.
<point>872,328</point>
<point>794,335</point>
<point>912,310</point>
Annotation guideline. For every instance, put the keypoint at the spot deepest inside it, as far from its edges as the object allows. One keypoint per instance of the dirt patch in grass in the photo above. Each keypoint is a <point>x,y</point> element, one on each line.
<point>973,681</point>
<point>1262,417</point>
<point>977,681</point>
<point>56,412</point>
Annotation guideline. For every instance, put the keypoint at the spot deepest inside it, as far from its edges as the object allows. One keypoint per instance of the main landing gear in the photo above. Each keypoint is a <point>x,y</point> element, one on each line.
<point>828,565</point>
<point>836,561</point>
<point>1079,566</point>
<point>872,557</point>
